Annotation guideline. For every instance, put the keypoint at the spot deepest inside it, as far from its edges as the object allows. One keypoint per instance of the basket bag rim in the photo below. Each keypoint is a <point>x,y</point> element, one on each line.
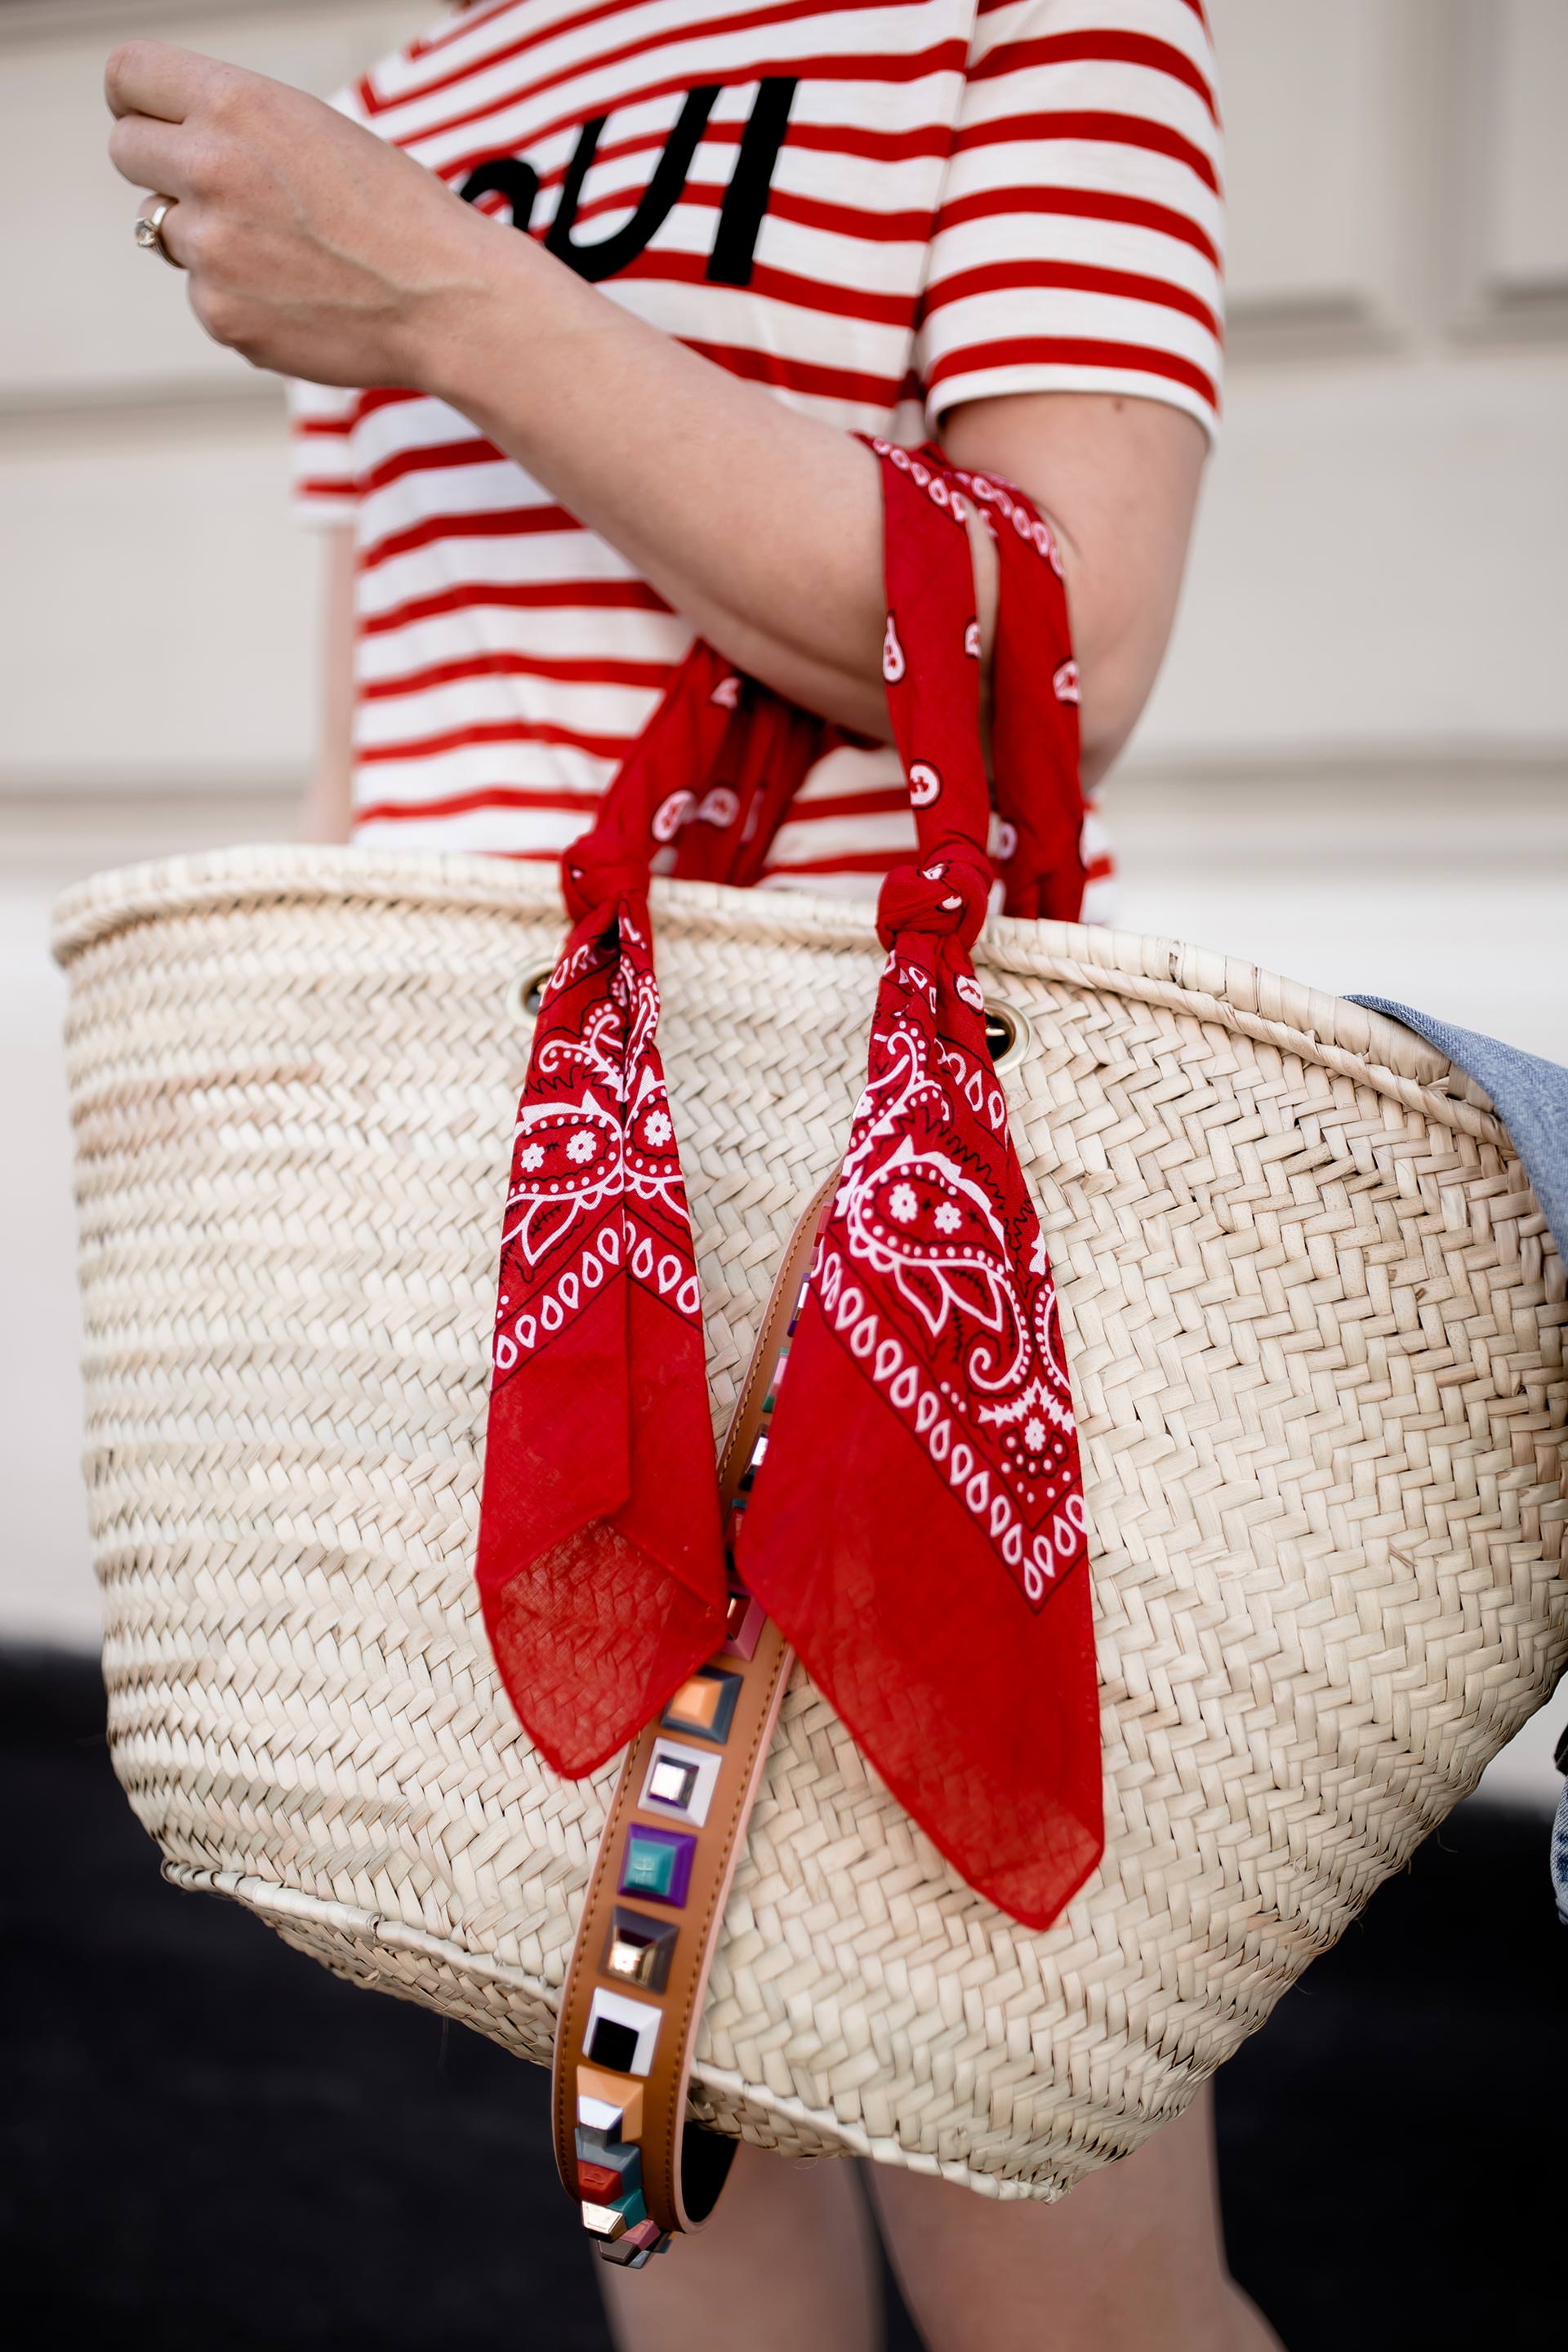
<point>1310,1021</point>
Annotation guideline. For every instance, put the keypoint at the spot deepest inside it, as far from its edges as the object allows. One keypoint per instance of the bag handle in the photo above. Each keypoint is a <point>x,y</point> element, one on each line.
<point>710,779</point>
<point>715,771</point>
<point>1034,732</point>
<point>928,1404</point>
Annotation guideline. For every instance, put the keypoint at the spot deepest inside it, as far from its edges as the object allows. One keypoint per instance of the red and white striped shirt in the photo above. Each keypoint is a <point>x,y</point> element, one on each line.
<point>874,208</point>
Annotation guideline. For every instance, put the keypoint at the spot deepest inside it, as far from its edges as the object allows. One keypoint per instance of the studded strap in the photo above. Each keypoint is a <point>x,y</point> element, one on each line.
<point>656,1898</point>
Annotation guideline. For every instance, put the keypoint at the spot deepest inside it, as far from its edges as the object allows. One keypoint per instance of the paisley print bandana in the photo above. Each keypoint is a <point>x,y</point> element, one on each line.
<point>917,1528</point>
<point>600,1565</point>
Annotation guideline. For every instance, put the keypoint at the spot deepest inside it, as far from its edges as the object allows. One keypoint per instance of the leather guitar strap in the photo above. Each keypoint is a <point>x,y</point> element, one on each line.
<point>660,1880</point>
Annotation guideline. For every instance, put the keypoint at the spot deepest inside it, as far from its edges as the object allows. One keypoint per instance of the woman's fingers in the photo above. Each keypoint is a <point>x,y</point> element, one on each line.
<point>314,247</point>
<point>154,77</point>
<point>152,154</point>
<point>157,156</point>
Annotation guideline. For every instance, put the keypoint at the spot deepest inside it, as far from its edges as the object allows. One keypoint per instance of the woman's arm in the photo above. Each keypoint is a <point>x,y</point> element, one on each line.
<point>764,527</point>
<point>315,249</point>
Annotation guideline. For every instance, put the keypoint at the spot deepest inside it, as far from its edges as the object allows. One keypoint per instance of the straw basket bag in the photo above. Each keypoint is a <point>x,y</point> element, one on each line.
<point>1315,1323</point>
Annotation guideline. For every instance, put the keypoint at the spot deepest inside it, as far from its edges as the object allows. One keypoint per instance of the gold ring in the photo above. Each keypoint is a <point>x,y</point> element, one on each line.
<point>149,230</point>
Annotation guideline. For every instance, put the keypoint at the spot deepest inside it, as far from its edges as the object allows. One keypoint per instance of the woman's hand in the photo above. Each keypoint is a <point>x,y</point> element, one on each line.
<point>312,247</point>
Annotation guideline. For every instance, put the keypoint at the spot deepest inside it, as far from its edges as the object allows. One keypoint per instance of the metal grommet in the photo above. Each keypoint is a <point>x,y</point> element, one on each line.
<point>1008,1037</point>
<point>525,993</point>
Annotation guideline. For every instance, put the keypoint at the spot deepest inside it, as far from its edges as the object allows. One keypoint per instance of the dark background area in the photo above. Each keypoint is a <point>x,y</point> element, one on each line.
<point>206,2141</point>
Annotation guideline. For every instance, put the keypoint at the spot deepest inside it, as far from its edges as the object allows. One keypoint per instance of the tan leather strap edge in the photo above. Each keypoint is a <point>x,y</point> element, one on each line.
<point>657,2098</point>
<point>766,1348</point>
<point>662,2175</point>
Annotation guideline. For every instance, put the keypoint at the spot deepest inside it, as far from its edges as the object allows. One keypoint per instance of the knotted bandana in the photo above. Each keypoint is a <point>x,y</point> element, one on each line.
<point>918,1527</point>
<point>600,1561</point>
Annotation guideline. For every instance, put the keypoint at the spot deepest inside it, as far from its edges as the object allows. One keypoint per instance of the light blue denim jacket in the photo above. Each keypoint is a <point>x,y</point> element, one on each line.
<point>1531,1098</point>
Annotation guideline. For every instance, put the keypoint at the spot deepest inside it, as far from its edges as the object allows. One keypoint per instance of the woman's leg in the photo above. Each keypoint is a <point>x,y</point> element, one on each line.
<point>788,2264</point>
<point>1133,2260</point>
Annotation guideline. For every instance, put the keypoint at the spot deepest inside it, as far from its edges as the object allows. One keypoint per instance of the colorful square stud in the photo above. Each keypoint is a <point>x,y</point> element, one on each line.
<point>633,2248</point>
<point>623,2158</point>
<point>626,2205</point>
<point>744,1621</point>
<point>609,2103</point>
<point>657,1864</point>
<point>704,1708</point>
<point>671,1782</point>
<point>598,2181</point>
<point>680,1780</point>
<point>607,2174</point>
<point>638,1949</point>
<point>621,2033</point>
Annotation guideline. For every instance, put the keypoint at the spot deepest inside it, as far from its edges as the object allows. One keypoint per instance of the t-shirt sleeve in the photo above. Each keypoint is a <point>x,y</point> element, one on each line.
<point>1078,238</point>
<point>321,425</point>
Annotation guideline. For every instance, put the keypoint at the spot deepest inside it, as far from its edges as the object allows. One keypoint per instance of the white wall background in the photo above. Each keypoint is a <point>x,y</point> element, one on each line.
<point>1353,769</point>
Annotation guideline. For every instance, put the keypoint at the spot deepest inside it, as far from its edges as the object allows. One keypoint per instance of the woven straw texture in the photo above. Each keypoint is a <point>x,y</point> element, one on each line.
<point>1315,1325</point>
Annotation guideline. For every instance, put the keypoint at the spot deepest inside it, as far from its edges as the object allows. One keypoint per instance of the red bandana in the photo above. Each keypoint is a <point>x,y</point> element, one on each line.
<point>917,1528</point>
